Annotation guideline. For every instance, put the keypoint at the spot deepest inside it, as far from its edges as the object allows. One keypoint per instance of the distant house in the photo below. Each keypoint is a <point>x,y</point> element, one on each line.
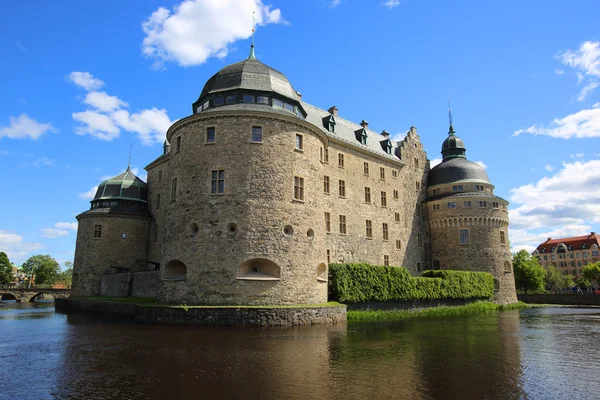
<point>569,255</point>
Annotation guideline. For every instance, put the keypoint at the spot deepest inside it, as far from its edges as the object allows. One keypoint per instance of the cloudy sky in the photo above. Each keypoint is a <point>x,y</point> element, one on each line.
<point>84,81</point>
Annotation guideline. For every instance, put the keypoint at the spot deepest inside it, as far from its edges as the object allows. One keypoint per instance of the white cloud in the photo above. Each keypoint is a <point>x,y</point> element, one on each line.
<point>578,155</point>
<point>150,125</point>
<point>66,225</point>
<point>103,102</point>
<point>434,162</point>
<point>587,61</point>
<point>52,233</point>
<point>43,162</point>
<point>85,80</point>
<point>549,168</point>
<point>24,127</point>
<point>582,124</point>
<point>391,3</point>
<point>15,247</point>
<point>334,3</point>
<point>199,29</point>
<point>89,195</point>
<point>559,71</point>
<point>96,124</point>
<point>482,164</point>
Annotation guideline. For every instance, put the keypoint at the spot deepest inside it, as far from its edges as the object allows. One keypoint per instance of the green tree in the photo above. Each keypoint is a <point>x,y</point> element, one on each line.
<point>582,282</point>
<point>568,282</point>
<point>66,277</point>
<point>5,268</point>
<point>554,280</point>
<point>591,272</point>
<point>44,267</point>
<point>529,274</point>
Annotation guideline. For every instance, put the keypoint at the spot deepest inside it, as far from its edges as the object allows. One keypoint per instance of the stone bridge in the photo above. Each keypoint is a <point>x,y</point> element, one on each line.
<point>30,294</point>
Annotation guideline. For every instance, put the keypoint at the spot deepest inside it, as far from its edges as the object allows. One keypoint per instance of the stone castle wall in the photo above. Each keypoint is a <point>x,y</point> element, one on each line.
<point>94,256</point>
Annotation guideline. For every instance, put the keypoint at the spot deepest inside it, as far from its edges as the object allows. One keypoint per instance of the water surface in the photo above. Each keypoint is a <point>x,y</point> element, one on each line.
<point>544,353</point>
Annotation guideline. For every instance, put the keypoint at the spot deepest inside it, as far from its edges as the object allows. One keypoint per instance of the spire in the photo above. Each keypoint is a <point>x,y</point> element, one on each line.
<point>451,129</point>
<point>252,55</point>
<point>129,162</point>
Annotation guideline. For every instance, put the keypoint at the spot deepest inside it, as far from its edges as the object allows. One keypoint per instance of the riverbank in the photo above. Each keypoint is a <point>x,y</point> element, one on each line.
<point>478,307</point>
<point>145,310</point>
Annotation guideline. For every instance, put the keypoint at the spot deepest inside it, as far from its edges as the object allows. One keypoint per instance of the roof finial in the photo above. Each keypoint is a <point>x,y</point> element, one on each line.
<point>451,130</point>
<point>252,55</point>
<point>129,163</point>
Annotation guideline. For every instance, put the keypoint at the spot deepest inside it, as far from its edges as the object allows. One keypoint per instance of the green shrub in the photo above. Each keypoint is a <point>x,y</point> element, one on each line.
<point>354,283</point>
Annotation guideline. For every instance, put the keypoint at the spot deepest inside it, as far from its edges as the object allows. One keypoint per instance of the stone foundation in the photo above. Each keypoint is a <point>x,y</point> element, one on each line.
<point>223,316</point>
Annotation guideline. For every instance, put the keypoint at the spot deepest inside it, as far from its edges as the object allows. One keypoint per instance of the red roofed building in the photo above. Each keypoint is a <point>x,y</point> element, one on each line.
<point>569,255</point>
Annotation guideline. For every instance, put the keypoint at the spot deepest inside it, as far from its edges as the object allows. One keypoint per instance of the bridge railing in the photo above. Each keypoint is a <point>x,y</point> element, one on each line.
<point>25,286</point>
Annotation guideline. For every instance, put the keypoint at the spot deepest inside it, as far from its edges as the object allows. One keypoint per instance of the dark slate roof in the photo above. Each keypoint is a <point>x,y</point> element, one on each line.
<point>453,142</point>
<point>457,170</point>
<point>249,74</point>
<point>124,186</point>
<point>460,195</point>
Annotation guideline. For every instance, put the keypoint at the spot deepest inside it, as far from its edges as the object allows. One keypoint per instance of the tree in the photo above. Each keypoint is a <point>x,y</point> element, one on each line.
<point>529,274</point>
<point>554,280</point>
<point>43,267</point>
<point>66,277</point>
<point>6,275</point>
<point>568,282</point>
<point>591,272</point>
<point>582,283</point>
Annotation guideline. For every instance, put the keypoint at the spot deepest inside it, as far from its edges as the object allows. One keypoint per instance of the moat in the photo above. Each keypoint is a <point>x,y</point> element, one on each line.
<point>541,353</point>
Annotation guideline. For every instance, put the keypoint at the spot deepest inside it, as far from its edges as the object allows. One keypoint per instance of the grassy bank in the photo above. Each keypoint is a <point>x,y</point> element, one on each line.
<point>444,311</point>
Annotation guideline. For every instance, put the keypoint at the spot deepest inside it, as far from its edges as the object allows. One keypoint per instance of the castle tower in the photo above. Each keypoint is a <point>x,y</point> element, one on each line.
<point>113,233</point>
<point>468,223</point>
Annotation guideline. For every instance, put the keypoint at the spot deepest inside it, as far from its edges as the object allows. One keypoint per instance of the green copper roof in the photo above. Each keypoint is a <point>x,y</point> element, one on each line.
<point>125,186</point>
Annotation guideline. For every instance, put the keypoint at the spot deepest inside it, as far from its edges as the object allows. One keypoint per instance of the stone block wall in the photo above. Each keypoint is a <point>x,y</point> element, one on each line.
<point>145,284</point>
<point>116,285</point>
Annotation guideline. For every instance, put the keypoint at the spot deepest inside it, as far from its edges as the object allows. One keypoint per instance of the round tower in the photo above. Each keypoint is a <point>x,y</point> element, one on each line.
<point>240,219</point>
<point>113,233</point>
<point>468,223</point>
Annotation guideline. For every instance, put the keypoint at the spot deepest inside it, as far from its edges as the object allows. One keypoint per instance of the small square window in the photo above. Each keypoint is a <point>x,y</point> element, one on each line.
<point>97,231</point>
<point>341,160</point>
<point>277,103</point>
<point>256,134</point>
<point>217,182</point>
<point>366,168</point>
<point>394,173</point>
<point>343,230</point>
<point>382,173</point>
<point>367,195</point>
<point>342,188</point>
<point>211,136</point>
<point>218,101</point>
<point>395,193</point>
<point>299,142</point>
<point>385,232</point>
<point>298,188</point>
<point>383,199</point>
<point>248,98</point>
<point>288,107</point>
<point>464,236</point>
<point>326,184</point>
<point>369,229</point>
<point>386,260</point>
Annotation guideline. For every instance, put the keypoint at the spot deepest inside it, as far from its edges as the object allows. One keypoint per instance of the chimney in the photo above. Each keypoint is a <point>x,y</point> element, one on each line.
<point>385,134</point>
<point>549,239</point>
<point>364,124</point>
<point>593,233</point>
<point>333,111</point>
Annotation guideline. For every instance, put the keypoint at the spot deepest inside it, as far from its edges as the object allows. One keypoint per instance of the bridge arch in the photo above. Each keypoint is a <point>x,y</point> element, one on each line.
<point>8,296</point>
<point>41,293</point>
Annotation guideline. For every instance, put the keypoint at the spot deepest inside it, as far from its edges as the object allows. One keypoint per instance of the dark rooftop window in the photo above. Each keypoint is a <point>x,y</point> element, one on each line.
<point>218,101</point>
<point>289,107</point>
<point>231,99</point>
<point>205,106</point>
<point>277,103</point>
<point>248,98</point>
<point>262,100</point>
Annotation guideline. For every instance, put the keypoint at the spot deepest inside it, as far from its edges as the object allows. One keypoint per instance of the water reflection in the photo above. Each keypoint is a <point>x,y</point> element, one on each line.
<point>537,354</point>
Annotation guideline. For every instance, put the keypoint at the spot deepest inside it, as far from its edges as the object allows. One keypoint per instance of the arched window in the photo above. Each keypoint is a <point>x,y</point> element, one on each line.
<point>259,269</point>
<point>322,272</point>
<point>175,270</point>
<point>507,267</point>
<point>496,285</point>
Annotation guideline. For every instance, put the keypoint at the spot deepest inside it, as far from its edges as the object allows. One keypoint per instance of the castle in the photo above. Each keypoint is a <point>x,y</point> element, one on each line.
<point>257,192</point>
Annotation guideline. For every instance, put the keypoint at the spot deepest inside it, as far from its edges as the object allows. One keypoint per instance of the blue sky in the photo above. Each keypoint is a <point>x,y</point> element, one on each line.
<point>84,80</point>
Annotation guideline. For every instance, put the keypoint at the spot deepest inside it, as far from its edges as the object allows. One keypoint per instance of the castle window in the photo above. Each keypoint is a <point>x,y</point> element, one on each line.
<point>502,237</point>
<point>451,204</point>
<point>231,99</point>
<point>369,229</point>
<point>394,173</point>
<point>482,203</point>
<point>398,244</point>
<point>395,194</point>
<point>259,269</point>
<point>366,168</point>
<point>174,190</point>
<point>385,231</point>
<point>217,181</point>
<point>386,260</point>
<point>205,105</point>
<point>248,98</point>
<point>328,256</point>
<point>325,184</point>
<point>342,188</point>
<point>210,135</point>
<point>416,163</point>
<point>262,99</point>
<point>178,147</point>
<point>382,173</point>
<point>277,103</point>
<point>464,236</point>
<point>175,270</point>
<point>288,107</point>
<point>417,185</point>
<point>466,204</point>
<point>322,273</point>
<point>298,188</point>
<point>327,222</point>
<point>367,195</point>
<point>158,201</point>
<point>299,142</point>
<point>97,231</point>
<point>218,101</point>
<point>457,188</point>
<point>341,160</point>
<point>256,134</point>
<point>383,199</point>
<point>343,230</point>
<point>326,156</point>
<point>420,239</point>
<point>397,217</point>
<point>495,204</point>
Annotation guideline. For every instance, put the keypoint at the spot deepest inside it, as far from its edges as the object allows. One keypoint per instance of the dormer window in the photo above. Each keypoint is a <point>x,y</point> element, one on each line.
<point>389,148</point>
<point>361,135</point>
<point>329,123</point>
